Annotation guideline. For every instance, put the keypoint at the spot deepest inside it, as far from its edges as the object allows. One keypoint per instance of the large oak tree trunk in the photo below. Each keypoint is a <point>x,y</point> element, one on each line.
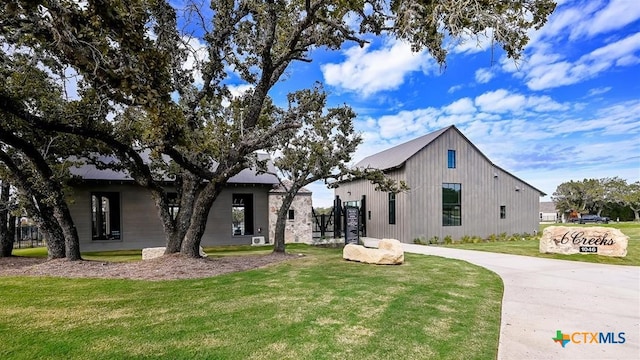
<point>12,229</point>
<point>53,234</point>
<point>176,228</point>
<point>281,221</point>
<point>43,215</point>
<point>44,199</point>
<point>193,237</point>
<point>69,231</point>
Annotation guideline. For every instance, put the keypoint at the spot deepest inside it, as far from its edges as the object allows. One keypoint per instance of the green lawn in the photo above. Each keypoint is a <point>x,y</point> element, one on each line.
<point>315,307</point>
<point>530,247</point>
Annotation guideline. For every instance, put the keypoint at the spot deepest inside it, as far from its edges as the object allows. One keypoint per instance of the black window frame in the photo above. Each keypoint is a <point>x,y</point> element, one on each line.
<point>291,214</point>
<point>392,208</point>
<point>244,200</point>
<point>451,204</point>
<point>106,226</point>
<point>503,211</point>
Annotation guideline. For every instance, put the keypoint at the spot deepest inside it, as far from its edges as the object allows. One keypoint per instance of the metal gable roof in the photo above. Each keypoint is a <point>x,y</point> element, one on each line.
<point>396,156</point>
<point>246,176</point>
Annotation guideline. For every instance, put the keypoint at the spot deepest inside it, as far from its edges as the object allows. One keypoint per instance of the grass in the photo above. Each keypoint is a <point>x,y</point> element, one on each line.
<point>531,247</point>
<point>315,307</point>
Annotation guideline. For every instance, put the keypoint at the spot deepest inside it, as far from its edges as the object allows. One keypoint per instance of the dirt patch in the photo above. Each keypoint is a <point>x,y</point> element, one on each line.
<point>168,267</point>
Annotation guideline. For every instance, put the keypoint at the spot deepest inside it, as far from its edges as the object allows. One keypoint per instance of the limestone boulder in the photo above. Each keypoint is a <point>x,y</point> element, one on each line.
<point>596,240</point>
<point>392,245</point>
<point>155,252</point>
<point>389,252</point>
<point>152,253</point>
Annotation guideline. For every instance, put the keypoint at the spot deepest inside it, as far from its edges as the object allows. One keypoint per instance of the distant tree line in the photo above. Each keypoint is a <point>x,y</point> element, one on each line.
<point>613,197</point>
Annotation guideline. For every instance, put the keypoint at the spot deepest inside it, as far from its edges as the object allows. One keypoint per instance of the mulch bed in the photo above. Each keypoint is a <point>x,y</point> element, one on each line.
<point>168,267</point>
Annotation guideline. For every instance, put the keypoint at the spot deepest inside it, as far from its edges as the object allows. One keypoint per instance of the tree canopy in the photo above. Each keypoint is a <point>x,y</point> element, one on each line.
<point>127,79</point>
<point>594,195</point>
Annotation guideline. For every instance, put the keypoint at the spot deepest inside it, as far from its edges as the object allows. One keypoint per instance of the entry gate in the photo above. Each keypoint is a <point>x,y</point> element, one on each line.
<point>335,223</point>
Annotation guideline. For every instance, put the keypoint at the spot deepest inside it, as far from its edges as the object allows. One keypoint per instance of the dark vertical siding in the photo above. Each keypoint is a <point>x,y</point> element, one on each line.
<point>141,226</point>
<point>218,230</point>
<point>484,189</point>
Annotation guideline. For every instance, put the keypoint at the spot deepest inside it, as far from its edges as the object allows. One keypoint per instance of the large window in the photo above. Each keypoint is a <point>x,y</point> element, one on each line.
<point>105,216</point>
<point>392,208</point>
<point>242,214</point>
<point>451,204</point>
<point>451,159</point>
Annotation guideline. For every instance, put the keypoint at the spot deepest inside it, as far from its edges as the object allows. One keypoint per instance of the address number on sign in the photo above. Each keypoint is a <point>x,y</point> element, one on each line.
<point>588,249</point>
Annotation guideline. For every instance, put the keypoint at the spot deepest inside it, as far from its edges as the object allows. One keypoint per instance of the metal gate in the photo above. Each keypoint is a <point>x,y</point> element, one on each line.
<point>334,223</point>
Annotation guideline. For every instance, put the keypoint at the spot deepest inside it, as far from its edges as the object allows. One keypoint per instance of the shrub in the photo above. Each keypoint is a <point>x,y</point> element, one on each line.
<point>448,239</point>
<point>420,241</point>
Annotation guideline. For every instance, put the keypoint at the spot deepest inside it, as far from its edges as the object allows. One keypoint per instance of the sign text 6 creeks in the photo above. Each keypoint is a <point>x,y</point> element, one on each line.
<point>584,240</point>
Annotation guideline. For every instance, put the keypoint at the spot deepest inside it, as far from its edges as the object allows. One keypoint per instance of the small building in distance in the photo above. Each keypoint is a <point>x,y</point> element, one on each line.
<point>548,212</point>
<point>455,190</point>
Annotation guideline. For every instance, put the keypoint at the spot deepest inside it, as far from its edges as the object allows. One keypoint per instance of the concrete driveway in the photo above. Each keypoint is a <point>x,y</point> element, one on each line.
<point>542,296</point>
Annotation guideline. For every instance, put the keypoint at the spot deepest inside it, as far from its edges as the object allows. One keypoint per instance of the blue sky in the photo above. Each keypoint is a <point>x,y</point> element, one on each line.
<point>569,110</point>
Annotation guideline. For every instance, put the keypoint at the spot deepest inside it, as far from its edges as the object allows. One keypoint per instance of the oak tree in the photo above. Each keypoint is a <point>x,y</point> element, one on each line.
<point>136,59</point>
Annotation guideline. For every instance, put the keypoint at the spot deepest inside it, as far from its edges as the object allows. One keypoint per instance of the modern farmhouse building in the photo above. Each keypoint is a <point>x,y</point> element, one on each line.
<point>455,190</point>
<point>111,212</point>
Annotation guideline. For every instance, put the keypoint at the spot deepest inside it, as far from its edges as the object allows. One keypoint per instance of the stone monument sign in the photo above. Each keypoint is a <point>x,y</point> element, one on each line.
<point>584,240</point>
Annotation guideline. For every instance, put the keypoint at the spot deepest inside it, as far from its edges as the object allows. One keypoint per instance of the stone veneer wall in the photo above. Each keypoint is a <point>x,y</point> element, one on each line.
<point>298,230</point>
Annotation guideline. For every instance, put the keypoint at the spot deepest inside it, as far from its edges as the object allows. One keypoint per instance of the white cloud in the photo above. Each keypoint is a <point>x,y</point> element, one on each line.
<point>576,20</point>
<point>400,124</point>
<point>461,106</point>
<point>542,75</point>
<point>599,91</point>
<point>500,101</point>
<point>469,44</point>
<point>369,71</point>
<point>454,88</point>
<point>483,76</point>
<point>628,60</point>
<point>558,53</point>
<point>238,90</point>
<point>544,103</point>
<point>197,54</point>
<point>616,15</point>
